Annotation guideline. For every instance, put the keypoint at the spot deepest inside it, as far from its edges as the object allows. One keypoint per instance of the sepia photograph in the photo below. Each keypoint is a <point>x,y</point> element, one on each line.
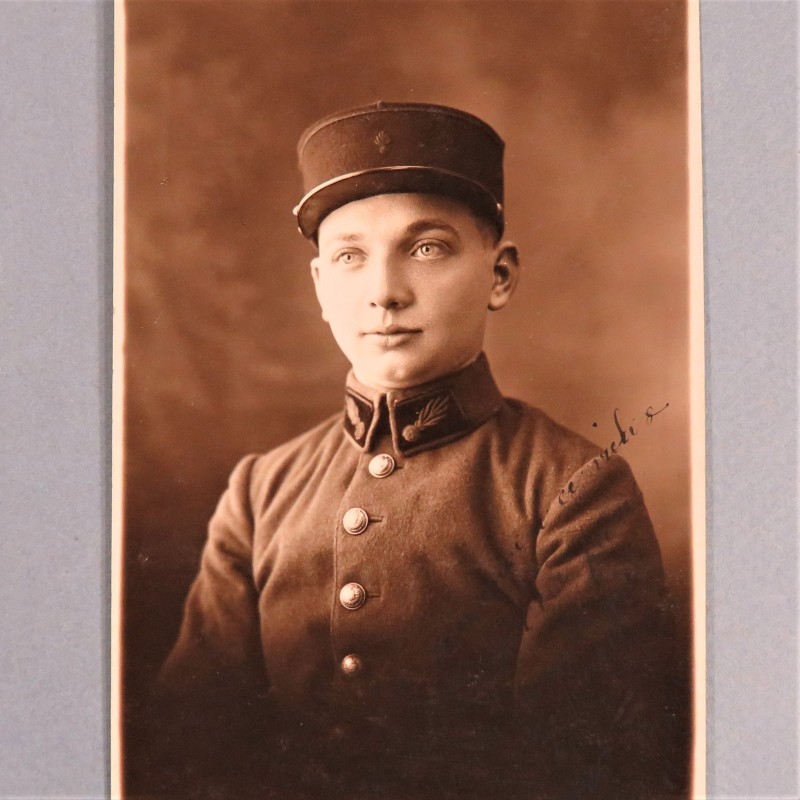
<point>409,458</point>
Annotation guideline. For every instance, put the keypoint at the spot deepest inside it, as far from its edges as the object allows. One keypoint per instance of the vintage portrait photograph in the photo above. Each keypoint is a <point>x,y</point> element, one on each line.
<point>409,462</point>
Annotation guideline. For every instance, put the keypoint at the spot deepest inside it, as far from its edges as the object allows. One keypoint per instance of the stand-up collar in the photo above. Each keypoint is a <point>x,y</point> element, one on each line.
<point>424,416</point>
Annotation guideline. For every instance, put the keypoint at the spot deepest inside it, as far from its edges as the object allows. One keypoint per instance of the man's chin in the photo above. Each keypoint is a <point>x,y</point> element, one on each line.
<point>393,370</point>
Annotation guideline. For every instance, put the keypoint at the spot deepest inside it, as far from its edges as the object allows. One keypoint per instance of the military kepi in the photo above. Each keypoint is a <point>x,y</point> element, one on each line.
<point>386,148</point>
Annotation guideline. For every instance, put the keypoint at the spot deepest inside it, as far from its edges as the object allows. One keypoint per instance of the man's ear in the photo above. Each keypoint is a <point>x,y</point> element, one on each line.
<point>505,275</point>
<point>315,277</point>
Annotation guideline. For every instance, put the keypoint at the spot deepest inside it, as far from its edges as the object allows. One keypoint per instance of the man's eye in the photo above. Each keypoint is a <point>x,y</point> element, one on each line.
<point>348,258</point>
<point>429,250</point>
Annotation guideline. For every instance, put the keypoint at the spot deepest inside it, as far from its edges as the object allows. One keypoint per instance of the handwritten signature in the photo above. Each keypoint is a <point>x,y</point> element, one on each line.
<point>625,437</point>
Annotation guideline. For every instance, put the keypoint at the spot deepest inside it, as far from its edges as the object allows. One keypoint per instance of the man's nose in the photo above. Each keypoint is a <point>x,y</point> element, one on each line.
<point>389,287</point>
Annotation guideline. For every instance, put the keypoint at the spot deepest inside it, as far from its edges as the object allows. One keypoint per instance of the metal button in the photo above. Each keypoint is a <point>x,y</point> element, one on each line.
<point>352,596</point>
<point>352,665</point>
<point>355,520</point>
<point>381,466</point>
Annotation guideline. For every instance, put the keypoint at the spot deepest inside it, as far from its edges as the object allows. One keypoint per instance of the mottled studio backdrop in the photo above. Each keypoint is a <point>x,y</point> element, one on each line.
<point>225,349</point>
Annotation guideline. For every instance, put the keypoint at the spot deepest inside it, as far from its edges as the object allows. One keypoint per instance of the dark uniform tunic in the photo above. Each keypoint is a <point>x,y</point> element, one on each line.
<point>440,593</point>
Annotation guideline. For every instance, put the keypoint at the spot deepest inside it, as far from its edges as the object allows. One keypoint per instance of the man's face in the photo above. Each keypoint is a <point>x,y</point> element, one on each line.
<point>405,282</point>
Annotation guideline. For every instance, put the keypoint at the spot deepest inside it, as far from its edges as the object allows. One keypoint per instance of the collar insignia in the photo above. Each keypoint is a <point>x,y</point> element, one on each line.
<point>355,419</point>
<point>356,411</point>
<point>428,419</point>
<point>431,414</point>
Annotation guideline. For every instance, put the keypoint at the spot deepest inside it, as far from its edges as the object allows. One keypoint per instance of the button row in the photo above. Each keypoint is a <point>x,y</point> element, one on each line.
<point>356,521</point>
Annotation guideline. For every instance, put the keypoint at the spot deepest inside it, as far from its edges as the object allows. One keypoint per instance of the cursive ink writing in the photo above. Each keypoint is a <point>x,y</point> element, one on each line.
<point>624,439</point>
<point>624,436</point>
<point>569,489</point>
<point>649,413</point>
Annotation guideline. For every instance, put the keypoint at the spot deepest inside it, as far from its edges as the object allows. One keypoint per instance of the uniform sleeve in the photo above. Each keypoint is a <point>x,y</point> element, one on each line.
<point>209,704</point>
<point>219,636</point>
<point>597,650</point>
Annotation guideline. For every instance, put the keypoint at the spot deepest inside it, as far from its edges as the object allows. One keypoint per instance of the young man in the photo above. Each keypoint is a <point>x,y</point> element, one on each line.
<point>438,592</point>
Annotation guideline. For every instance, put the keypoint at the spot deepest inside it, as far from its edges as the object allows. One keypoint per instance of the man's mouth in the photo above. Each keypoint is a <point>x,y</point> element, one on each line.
<point>391,330</point>
<point>391,335</point>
